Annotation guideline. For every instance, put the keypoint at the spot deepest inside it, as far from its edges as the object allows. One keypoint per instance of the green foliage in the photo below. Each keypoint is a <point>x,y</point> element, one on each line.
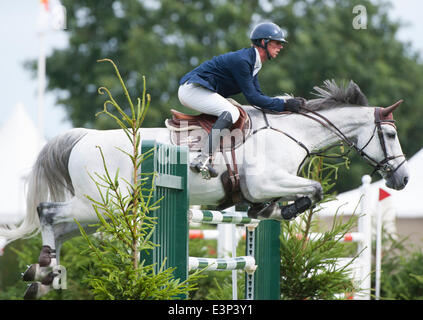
<point>16,257</point>
<point>402,270</point>
<point>125,223</point>
<point>117,279</point>
<point>310,266</point>
<point>26,251</point>
<point>221,288</point>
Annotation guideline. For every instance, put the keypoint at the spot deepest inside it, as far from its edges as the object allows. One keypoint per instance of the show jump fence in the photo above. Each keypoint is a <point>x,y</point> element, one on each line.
<point>262,259</point>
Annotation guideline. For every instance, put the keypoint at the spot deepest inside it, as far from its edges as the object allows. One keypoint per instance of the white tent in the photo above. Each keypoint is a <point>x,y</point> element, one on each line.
<point>405,202</point>
<point>20,143</point>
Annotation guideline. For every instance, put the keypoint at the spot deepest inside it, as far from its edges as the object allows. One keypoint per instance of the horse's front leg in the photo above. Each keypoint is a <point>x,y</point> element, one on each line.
<point>266,194</point>
<point>274,210</point>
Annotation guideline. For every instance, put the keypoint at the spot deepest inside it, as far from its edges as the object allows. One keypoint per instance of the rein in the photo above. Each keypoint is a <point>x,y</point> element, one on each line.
<point>382,165</point>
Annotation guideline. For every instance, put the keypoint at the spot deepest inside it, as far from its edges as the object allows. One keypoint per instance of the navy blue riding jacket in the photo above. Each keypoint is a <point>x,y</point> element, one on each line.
<point>230,74</point>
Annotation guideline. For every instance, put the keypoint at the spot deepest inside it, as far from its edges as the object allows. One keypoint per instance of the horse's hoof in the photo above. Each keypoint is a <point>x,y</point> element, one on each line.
<point>302,204</point>
<point>31,292</point>
<point>35,272</point>
<point>36,290</point>
<point>48,279</point>
<point>30,273</point>
<point>291,211</point>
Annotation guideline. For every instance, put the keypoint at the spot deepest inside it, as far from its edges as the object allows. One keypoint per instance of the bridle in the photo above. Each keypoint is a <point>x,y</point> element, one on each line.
<point>232,187</point>
<point>383,166</point>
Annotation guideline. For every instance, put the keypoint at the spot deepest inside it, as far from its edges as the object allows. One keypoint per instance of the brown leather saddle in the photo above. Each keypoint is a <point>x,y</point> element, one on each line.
<point>192,130</point>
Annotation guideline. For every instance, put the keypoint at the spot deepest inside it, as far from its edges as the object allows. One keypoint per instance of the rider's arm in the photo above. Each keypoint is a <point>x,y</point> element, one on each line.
<point>250,88</point>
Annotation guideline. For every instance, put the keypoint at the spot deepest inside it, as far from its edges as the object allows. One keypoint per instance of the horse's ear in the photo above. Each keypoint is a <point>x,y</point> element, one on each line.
<point>386,111</point>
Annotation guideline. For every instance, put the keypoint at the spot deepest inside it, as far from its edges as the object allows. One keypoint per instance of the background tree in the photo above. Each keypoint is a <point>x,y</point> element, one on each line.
<point>165,39</point>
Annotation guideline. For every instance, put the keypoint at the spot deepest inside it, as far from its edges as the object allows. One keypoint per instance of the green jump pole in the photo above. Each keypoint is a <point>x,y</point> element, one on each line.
<point>264,243</point>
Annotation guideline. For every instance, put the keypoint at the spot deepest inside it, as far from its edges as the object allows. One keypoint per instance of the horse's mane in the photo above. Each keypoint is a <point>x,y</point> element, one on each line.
<point>330,95</point>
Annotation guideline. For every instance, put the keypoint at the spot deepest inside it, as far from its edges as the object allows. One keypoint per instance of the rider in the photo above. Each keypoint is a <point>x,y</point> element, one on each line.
<point>206,87</point>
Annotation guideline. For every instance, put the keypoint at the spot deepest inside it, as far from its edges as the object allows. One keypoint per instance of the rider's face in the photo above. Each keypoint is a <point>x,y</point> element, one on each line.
<point>274,47</point>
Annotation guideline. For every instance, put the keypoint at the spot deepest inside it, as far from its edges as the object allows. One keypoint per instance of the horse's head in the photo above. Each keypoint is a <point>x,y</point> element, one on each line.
<point>383,150</point>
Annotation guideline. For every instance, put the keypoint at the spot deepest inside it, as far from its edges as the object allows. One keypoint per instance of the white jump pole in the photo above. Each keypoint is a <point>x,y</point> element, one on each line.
<point>234,272</point>
<point>365,246</point>
<point>378,250</point>
<point>227,243</point>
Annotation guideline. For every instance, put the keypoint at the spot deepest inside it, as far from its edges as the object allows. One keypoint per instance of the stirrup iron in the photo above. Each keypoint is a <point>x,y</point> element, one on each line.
<point>204,170</point>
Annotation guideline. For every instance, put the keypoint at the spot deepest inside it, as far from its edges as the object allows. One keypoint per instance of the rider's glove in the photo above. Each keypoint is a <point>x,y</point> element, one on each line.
<point>293,105</point>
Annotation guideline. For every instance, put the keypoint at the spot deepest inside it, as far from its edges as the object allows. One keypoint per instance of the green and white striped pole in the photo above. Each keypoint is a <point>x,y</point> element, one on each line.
<point>217,217</point>
<point>245,263</point>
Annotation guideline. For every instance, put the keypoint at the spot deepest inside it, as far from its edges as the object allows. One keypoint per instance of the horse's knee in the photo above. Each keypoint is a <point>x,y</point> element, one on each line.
<point>318,192</point>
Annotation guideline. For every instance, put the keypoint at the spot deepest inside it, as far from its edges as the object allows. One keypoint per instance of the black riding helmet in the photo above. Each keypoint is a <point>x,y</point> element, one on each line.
<point>267,31</point>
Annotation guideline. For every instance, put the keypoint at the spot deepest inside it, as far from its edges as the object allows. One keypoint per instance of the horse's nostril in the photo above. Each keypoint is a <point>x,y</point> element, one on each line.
<point>405,180</point>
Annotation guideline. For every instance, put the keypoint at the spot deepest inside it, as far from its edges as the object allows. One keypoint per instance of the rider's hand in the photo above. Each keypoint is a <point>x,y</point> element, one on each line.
<point>302,101</point>
<point>293,105</point>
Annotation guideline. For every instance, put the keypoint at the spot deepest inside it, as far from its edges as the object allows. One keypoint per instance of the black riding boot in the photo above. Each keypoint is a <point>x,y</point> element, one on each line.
<point>203,162</point>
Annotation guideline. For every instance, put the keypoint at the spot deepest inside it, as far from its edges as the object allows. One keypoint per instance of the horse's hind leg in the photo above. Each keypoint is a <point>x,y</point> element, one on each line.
<point>54,231</point>
<point>47,258</point>
<point>43,271</point>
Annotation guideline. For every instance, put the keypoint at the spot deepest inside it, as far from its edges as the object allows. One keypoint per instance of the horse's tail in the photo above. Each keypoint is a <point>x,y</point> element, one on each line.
<point>48,181</point>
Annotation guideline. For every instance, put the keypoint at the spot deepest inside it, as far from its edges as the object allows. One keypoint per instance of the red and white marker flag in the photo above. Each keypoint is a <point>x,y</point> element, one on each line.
<point>51,16</point>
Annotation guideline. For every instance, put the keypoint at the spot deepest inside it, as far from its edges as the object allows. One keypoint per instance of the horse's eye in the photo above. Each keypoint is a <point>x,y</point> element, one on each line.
<point>391,135</point>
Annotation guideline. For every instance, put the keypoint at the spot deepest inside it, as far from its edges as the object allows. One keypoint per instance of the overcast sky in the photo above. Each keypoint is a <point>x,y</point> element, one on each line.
<point>19,43</point>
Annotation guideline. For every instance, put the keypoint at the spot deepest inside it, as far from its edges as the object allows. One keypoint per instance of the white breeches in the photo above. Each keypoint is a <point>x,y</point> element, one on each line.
<point>196,97</point>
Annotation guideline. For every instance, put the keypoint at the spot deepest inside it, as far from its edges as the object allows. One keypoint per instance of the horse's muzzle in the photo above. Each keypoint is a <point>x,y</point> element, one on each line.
<point>397,182</point>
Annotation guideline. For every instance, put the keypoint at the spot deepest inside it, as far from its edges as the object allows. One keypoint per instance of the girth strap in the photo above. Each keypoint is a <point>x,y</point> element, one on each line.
<point>233,174</point>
